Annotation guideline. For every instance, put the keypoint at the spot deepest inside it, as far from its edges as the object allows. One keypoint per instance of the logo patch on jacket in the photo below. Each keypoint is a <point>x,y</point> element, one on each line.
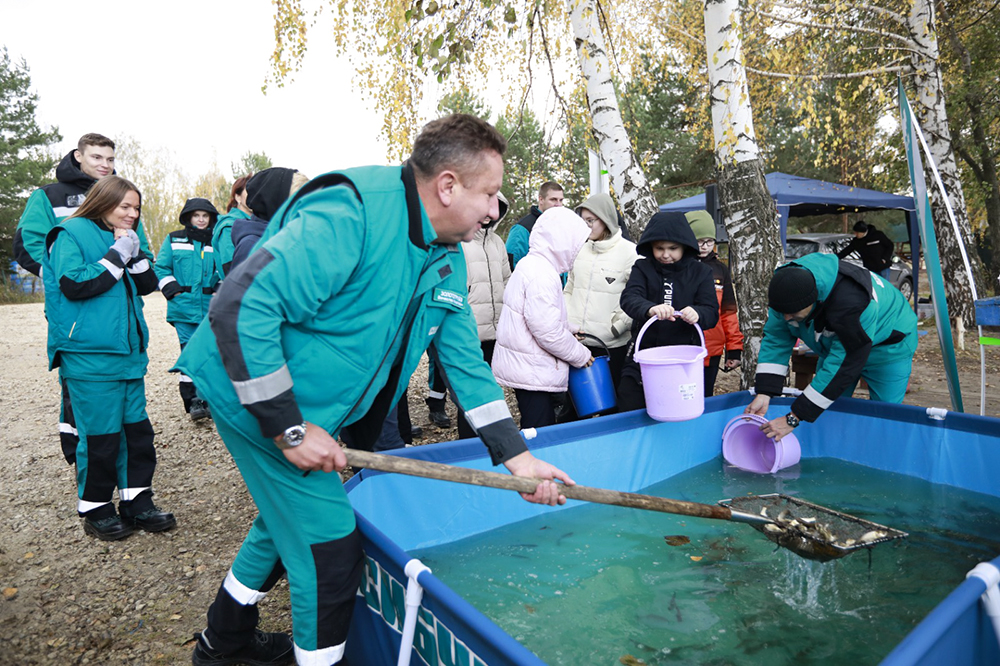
<point>610,280</point>
<point>449,297</point>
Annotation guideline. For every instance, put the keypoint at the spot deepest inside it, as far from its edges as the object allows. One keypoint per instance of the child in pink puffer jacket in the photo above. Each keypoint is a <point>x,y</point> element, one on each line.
<point>535,345</point>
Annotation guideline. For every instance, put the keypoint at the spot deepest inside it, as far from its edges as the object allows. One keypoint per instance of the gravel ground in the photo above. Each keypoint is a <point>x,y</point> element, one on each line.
<point>71,599</point>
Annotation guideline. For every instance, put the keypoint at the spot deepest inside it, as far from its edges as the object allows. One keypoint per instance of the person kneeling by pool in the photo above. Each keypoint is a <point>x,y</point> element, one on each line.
<point>858,324</point>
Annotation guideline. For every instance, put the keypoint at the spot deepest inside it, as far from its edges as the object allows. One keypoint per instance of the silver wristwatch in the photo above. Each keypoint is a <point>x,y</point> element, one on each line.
<point>292,437</point>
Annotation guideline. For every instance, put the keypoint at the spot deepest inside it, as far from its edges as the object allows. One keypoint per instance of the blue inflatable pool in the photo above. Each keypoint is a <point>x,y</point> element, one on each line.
<point>398,514</point>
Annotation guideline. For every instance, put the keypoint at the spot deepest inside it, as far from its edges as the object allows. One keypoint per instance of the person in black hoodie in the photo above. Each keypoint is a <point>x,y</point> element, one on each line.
<point>93,158</point>
<point>669,283</point>
<point>873,246</point>
<point>266,191</point>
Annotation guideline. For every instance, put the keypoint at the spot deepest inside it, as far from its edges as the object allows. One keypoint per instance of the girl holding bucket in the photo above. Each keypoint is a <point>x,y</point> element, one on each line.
<point>535,345</point>
<point>600,272</point>
<point>668,283</point>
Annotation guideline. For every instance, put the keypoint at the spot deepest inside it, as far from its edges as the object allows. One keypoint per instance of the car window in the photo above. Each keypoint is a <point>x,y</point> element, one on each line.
<point>796,249</point>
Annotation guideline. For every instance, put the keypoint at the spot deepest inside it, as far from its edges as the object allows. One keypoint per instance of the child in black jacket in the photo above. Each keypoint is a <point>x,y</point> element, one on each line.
<point>668,283</point>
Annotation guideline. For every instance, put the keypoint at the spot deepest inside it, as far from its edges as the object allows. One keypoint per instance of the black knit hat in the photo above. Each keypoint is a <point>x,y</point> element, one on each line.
<point>792,289</point>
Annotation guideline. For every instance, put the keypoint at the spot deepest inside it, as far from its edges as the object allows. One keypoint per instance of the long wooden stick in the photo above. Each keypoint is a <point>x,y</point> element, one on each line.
<point>475,477</point>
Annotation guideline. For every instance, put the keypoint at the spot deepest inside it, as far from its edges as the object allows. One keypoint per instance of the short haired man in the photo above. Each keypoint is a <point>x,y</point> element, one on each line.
<point>550,195</point>
<point>873,246</point>
<point>93,158</point>
<point>317,333</point>
<point>858,324</point>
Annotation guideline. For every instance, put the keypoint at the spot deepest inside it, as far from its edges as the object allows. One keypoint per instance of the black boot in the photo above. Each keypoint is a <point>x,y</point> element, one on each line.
<point>104,524</point>
<point>141,513</point>
<point>264,649</point>
<point>199,410</point>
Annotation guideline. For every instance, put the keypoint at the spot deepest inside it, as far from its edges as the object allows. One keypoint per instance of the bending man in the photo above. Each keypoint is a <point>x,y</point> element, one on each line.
<point>858,324</point>
<point>317,333</point>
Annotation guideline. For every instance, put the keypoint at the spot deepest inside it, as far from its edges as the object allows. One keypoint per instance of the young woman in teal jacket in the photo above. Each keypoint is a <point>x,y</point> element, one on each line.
<point>95,276</point>
<point>187,278</point>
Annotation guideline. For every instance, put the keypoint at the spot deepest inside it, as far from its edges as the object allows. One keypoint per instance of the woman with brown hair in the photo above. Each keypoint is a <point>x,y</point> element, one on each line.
<point>95,276</point>
<point>222,240</point>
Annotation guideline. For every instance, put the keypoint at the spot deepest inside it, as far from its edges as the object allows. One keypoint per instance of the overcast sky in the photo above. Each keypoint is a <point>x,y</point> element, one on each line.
<point>186,75</point>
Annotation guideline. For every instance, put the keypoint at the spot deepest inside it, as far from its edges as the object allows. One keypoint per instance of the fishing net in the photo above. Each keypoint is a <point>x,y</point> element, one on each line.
<point>810,530</point>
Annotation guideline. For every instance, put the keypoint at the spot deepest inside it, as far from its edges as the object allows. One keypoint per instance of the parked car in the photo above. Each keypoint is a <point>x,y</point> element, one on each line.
<point>799,245</point>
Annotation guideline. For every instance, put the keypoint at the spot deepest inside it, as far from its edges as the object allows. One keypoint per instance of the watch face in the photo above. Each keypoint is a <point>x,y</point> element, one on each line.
<point>295,435</point>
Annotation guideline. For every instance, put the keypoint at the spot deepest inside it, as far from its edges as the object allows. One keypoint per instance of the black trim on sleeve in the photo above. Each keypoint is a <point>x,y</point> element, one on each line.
<point>806,409</point>
<point>171,289</point>
<point>769,384</point>
<point>79,291</point>
<point>145,282</point>
<point>22,257</point>
<point>277,414</point>
<point>503,440</point>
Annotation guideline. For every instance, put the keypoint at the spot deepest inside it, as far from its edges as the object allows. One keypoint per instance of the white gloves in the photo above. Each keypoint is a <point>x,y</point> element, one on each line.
<point>134,237</point>
<point>126,247</point>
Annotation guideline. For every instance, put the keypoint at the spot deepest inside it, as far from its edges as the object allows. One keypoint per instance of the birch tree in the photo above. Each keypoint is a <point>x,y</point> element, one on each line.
<point>887,38</point>
<point>751,217</point>
<point>398,48</point>
<point>628,179</point>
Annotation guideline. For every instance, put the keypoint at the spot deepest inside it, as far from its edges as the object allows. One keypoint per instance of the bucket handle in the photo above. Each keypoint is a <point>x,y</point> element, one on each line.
<point>607,352</point>
<point>649,322</point>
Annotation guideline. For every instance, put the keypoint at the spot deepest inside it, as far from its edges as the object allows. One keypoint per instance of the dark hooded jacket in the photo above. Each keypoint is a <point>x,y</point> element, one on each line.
<point>48,206</point>
<point>185,266</point>
<point>266,191</point>
<point>687,282</point>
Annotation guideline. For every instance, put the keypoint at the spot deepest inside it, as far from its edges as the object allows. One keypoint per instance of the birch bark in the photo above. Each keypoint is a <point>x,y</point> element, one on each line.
<point>628,179</point>
<point>751,216</point>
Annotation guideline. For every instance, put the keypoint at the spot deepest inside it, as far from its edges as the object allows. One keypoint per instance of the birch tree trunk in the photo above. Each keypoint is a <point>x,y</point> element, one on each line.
<point>751,216</point>
<point>628,179</point>
<point>929,107</point>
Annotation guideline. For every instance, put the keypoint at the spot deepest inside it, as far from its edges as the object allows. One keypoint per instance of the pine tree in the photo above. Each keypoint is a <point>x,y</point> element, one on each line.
<point>25,159</point>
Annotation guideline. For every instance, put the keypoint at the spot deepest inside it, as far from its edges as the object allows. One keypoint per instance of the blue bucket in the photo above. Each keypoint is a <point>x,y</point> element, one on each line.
<point>591,388</point>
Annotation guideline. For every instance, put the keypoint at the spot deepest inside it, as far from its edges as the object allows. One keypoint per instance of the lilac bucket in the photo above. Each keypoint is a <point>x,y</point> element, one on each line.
<point>746,447</point>
<point>673,378</point>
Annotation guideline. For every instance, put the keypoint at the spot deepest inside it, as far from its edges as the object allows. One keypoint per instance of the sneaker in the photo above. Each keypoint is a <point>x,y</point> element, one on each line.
<point>199,410</point>
<point>274,649</point>
<point>112,528</point>
<point>440,419</point>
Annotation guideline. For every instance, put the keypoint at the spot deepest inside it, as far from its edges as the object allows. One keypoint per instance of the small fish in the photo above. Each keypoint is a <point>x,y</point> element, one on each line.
<point>849,543</point>
<point>676,540</point>
<point>629,660</point>
<point>763,512</point>
<point>771,527</point>
<point>808,521</point>
<point>784,516</point>
<point>868,537</point>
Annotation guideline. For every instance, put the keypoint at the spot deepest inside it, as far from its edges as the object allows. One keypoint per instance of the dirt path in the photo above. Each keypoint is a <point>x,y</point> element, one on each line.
<point>70,599</point>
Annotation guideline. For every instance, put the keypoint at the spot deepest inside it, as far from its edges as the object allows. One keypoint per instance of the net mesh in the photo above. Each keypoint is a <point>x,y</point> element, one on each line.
<point>810,530</point>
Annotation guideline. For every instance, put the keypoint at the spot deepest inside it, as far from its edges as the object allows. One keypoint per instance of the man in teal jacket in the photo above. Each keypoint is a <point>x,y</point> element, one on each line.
<point>857,323</point>
<point>317,333</point>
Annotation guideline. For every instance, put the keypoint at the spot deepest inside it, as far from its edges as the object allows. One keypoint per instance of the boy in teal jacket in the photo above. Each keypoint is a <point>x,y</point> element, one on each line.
<point>317,333</point>
<point>857,323</point>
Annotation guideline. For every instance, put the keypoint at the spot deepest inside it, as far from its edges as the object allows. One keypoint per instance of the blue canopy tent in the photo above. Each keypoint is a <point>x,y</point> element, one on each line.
<point>800,197</point>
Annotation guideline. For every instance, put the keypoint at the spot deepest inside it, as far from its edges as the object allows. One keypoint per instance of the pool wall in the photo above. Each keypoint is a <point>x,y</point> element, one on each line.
<point>629,452</point>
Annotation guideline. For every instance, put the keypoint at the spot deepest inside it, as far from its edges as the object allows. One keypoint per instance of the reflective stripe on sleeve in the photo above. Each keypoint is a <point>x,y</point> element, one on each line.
<point>816,397</point>
<point>772,369</point>
<point>486,414</point>
<point>165,281</point>
<point>242,594</point>
<point>263,388</point>
<point>116,271</point>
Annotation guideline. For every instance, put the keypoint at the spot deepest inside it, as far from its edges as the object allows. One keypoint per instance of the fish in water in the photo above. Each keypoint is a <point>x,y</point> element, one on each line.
<point>629,660</point>
<point>874,535</point>
<point>676,540</point>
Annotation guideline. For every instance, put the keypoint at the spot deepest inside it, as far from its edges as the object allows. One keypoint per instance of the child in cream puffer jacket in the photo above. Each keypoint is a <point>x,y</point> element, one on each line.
<point>596,282</point>
<point>535,345</point>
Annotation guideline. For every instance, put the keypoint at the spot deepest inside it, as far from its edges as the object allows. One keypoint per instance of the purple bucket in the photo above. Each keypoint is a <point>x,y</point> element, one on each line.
<point>746,447</point>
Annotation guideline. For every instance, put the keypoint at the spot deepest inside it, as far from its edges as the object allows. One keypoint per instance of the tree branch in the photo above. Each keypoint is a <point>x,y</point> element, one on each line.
<point>833,75</point>
<point>832,26</point>
<point>898,18</point>
<point>552,69</point>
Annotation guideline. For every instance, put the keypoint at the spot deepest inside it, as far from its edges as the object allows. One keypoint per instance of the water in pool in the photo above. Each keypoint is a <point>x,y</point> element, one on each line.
<point>601,585</point>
